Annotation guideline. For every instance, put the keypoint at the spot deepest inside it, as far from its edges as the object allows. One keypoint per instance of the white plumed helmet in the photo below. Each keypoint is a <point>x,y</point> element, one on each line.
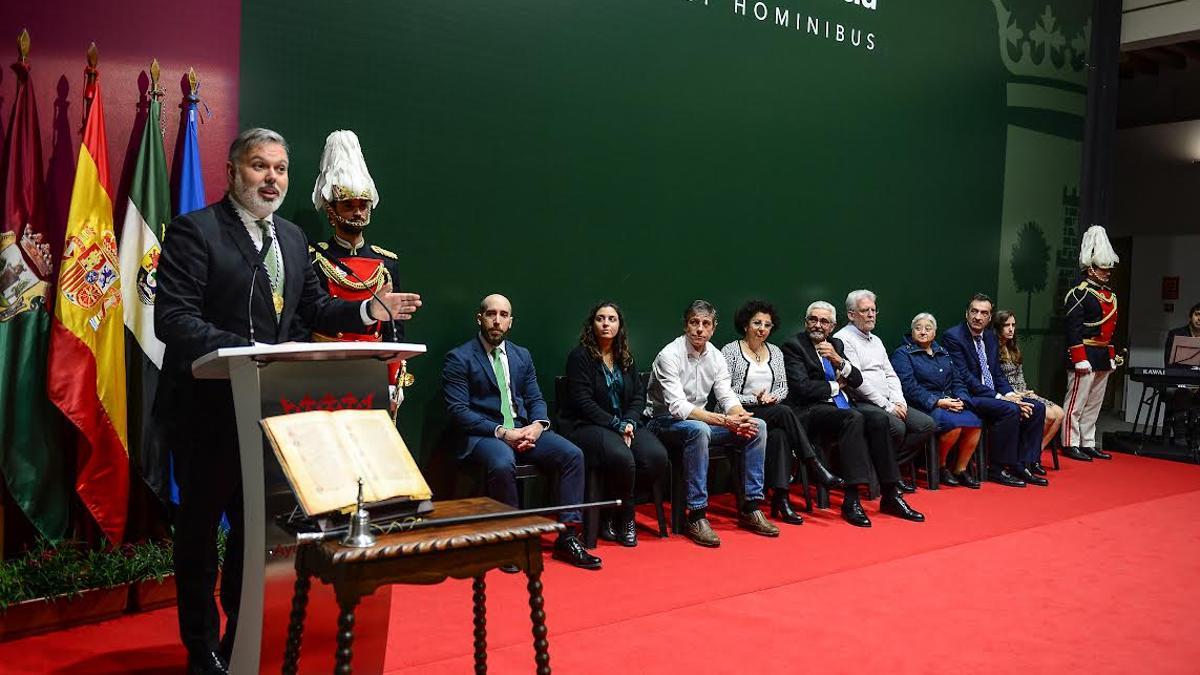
<point>343,173</point>
<point>1096,249</point>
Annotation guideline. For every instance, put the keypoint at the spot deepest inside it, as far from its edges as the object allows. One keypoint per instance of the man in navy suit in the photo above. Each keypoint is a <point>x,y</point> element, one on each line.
<point>497,413</point>
<point>1016,424</point>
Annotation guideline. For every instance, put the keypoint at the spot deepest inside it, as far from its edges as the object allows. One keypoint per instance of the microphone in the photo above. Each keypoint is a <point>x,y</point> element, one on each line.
<point>250,301</point>
<point>354,275</point>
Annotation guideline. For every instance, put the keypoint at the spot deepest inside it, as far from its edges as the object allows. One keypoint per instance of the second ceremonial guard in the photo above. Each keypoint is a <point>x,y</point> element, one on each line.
<point>349,267</point>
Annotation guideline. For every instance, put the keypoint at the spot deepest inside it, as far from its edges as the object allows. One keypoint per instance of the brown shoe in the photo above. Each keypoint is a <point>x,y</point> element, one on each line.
<point>757,523</point>
<point>702,533</point>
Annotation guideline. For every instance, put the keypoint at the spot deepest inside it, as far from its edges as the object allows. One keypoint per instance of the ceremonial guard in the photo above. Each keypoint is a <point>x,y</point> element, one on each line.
<point>346,264</point>
<point>1091,318</point>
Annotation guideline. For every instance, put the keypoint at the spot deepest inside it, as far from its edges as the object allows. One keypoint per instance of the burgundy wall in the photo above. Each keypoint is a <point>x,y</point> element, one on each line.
<point>128,34</point>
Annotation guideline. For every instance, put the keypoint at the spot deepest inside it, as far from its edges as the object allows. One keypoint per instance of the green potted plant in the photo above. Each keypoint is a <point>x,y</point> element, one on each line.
<point>154,576</point>
<point>54,587</point>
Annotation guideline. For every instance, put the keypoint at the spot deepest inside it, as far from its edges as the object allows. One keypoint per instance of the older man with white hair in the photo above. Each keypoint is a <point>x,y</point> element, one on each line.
<point>881,394</point>
<point>818,372</point>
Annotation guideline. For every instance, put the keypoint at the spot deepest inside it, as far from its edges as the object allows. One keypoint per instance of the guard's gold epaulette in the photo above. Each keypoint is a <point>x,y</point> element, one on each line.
<point>1083,286</point>
<point>383,252</point>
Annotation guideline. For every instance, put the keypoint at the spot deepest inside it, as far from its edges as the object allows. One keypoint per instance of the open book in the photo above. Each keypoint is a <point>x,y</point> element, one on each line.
<point>324,454</point>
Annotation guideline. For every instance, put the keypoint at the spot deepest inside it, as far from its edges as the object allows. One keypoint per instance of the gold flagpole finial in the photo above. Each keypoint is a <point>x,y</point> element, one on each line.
<point>93,55</point>
<point>155,71</point>
<point>23,46</point>
<point>193,81</point>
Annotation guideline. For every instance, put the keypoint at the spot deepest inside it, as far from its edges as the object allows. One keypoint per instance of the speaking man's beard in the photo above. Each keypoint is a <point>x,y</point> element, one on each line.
<point>247,196</point>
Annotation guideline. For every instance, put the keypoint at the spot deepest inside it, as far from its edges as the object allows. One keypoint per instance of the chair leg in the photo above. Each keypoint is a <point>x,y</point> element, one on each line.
<point>808,502</point>
<point>677,496</point>
<point>656,493</point>
<point>932,470</point>
<point>1054,445</point>
<point>591,517</point>
<point>822,497</point>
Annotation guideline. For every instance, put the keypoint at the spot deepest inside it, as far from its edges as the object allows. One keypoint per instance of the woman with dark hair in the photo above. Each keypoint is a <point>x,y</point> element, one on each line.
<point>758,378</point>
<point>602,414</point>
<point>1005,323</point>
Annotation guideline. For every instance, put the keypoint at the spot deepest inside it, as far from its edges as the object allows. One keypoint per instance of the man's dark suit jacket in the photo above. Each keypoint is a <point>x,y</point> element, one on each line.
<point>587,388</point>
<point>203,303</point>
<point>961,345</point>
<point>473,395</point>
<point>807,385</point>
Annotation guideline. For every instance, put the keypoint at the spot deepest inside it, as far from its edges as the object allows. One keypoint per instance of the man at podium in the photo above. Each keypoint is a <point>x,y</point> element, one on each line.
<point>231,274</point>
<point>497,414</point>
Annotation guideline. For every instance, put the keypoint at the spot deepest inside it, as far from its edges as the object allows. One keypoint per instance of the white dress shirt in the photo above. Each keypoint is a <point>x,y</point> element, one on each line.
<point>682,379</point>
<point>881,385</point>
<point>250,222</point>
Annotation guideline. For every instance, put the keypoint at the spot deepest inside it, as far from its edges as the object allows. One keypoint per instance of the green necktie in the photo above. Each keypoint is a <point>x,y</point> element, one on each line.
<point>502,381</point>
<point>274,270</point>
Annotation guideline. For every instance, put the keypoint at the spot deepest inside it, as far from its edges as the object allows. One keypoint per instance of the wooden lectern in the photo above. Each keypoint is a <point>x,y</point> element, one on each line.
<point>270,380</point>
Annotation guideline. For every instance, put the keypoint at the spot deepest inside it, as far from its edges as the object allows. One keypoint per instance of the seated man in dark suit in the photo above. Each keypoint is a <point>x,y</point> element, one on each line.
<point>817,371</point>
<point>497,413</point>
<point>1183,403</point>
<point>1016,423</point>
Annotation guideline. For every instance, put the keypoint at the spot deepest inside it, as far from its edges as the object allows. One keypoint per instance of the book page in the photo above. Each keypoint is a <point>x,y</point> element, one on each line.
<point>387,467</point>
<point>314,454</point>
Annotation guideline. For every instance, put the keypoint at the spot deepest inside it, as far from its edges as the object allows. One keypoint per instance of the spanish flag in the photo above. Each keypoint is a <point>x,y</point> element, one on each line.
<point>87,348</point>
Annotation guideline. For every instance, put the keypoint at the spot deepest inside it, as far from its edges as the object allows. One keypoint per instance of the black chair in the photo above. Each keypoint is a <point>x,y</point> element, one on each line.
<point>593,488</point>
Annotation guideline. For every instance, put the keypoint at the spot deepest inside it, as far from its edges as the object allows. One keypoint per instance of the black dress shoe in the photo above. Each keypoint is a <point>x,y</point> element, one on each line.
<point>570,550</point>
<point>206,663</point>
<point>1075,453</point>
<point>1037,469</point>
<point>607,531</point>
<point>966,480</point>
<point>509,568</point>
<point>823,475</point>
<point>894,505</point>
<point>625,533</point>
<point>781,510</point>
<point>1002,476</point>
<point>852,512</point>
<point>947,477</point>
<point>1026,475</point>
<point>905,487</point>
<point>1098,454</point>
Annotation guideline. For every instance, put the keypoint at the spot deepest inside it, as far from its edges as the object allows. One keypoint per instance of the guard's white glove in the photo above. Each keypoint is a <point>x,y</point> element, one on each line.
<point>1112,364</point>
<point>1083,367</point>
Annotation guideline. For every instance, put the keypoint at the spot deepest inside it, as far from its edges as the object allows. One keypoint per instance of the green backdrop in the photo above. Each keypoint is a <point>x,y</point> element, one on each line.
<point>652,152</point>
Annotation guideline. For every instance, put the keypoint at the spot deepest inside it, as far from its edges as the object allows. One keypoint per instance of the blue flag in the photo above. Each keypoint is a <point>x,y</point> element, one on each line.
<point>191,178</point>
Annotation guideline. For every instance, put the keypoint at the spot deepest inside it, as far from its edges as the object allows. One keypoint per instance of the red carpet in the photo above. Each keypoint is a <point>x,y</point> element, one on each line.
<point>1098,573</point>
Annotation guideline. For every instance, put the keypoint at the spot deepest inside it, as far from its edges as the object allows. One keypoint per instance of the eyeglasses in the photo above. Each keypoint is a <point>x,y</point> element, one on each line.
<point>820,320</point>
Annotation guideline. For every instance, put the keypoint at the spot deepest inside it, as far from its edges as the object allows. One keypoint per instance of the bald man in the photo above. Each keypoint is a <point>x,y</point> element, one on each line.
<point>497,414</point>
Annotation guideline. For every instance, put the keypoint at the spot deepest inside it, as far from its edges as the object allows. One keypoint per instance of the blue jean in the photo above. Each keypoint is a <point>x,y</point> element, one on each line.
<point>696,437</point>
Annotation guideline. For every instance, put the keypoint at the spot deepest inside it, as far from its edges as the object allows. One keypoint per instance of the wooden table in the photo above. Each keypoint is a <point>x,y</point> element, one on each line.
<point>426,556</point>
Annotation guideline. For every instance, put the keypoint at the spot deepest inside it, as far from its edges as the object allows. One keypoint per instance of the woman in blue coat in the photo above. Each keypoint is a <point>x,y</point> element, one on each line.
<point>932,385</point>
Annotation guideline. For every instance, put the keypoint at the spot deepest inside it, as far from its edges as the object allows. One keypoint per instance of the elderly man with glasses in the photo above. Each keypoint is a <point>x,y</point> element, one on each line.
<point>817,372</point>
<point>881,397</point>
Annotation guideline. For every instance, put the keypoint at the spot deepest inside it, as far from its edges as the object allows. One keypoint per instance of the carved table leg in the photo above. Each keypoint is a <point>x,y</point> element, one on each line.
<point>291,653</point>
<point>541,646</point>
<point>479,598</point>
<point>345,637</point>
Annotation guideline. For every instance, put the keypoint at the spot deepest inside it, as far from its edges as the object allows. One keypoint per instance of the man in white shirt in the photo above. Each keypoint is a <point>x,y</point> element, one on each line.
<point>685,373</point>
<point>880,395</point>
